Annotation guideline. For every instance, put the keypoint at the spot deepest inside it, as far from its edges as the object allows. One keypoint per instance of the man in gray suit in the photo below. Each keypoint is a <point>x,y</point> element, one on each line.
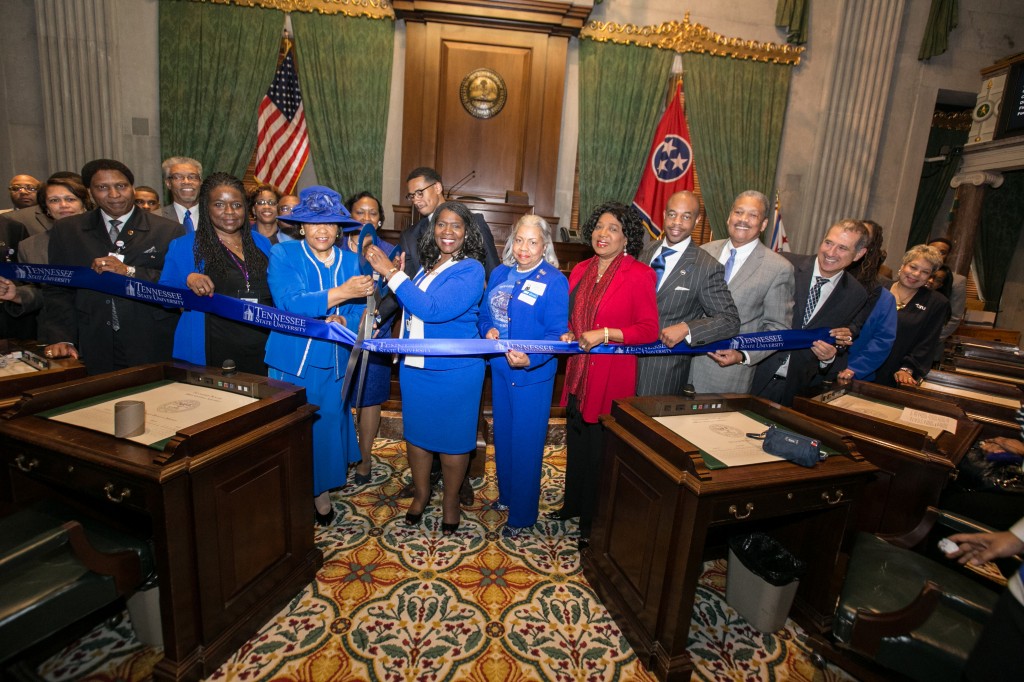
<point>694,304</point>
<point>183,176</point>
<point>761,283</point>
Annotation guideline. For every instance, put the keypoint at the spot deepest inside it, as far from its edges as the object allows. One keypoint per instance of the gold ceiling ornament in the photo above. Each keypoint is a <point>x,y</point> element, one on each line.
<point>372,9</point>
<point>952,120</point>
<point>685,37</point>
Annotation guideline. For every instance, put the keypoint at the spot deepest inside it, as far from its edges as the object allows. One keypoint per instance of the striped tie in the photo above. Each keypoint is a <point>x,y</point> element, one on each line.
<point>812,299</point>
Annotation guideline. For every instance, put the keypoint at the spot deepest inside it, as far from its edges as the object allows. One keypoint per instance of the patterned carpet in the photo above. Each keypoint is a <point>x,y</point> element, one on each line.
<point>402,604</point>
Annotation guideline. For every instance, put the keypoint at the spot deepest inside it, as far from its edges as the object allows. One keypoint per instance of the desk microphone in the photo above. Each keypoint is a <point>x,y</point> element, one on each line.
<point>462,181</point>
<point>228,368</point>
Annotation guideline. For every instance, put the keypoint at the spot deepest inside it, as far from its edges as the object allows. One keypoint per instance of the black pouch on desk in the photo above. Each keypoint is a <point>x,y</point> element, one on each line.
<point>792,446</point>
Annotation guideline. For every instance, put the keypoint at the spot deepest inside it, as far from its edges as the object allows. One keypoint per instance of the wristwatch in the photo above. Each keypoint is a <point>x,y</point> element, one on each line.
<point>130,271</point>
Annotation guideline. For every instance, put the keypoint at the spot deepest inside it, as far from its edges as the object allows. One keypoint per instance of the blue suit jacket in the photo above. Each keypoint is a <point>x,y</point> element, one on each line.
<point>299,283</point>
<point>190,335</point>
<point>449,308</point>
<point>547,318</point>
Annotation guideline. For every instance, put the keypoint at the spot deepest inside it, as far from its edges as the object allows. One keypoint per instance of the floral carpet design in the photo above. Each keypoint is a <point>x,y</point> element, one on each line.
<point>407,604</point>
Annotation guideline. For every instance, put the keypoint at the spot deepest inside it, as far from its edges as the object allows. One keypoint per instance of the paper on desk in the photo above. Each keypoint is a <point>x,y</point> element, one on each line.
<point>169,408</point>
<point>13,367</point>
<point>723,435</point>
<point>934,424</point>
<point>967,393</point>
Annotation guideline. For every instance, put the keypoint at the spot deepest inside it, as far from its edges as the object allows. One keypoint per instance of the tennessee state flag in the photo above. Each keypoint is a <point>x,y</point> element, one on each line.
<point>669,167</point>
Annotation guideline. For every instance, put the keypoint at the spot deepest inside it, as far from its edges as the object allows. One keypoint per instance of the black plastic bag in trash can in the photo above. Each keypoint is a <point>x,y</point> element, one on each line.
<point>766,558</point>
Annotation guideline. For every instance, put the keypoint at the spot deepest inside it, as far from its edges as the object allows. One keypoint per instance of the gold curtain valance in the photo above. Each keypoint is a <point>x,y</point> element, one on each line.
<point>686,37</point>
<point>373,9</point>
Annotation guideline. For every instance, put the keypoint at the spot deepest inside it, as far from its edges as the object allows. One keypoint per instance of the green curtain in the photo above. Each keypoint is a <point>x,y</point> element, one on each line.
<point>942,19</point>
<point>935,179</point>
<point>344,68</point>
<point>791,15</point>
<point>735,109</point>
<point>998,234</point>
<point>216,63</point>
<point>622,94</point>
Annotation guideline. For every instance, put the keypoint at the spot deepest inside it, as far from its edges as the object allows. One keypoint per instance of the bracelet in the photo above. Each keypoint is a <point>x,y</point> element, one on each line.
<point>391,272</point>
<point>606,334</point>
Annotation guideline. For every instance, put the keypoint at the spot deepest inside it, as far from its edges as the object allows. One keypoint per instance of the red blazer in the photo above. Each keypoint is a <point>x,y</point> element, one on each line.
<point>628,304</point>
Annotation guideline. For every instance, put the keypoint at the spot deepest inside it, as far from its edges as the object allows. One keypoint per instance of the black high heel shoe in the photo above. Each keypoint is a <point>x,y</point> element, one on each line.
<point>450,528</point>
<point>324,519</point>
<point>412,519</point>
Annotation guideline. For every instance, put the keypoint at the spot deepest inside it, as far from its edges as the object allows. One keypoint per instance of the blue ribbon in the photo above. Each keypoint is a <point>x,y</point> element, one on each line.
<point>279,320</point>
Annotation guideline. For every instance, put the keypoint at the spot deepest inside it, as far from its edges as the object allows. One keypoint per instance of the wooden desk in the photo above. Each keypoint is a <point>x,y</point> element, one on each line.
<point>660,505</point>
<point>56,371</point>
<point>913,468</point>
<point>226,502</point>
<point>993,404</point>
<point>982,350</point>
<point>1009,372</point>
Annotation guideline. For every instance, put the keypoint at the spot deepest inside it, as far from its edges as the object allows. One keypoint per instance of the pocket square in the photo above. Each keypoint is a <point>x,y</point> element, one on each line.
<point>682,288</point>
<point>150,250</point>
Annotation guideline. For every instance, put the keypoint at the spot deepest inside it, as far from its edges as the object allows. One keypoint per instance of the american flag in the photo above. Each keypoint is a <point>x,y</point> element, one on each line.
<point>282,145</point>
<point>778,242</point>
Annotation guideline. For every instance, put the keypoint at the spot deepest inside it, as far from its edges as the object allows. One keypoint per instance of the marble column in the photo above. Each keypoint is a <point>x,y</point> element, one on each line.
<point>963,232</point>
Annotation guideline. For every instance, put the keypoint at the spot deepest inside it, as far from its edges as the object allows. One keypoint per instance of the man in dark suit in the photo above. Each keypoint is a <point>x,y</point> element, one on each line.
<point>824,296</point>
<point>23,190</point>
<point>183,176</point>
<point>426,193</point>
<point>694,303</point>
<point>109,332</point>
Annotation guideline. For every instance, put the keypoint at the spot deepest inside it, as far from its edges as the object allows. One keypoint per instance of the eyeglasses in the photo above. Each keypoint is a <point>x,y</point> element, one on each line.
<point>23,188</point>
<point>191,177</point>
<point>284,209</point>
<point>418,194</point>
<point>268,202</point>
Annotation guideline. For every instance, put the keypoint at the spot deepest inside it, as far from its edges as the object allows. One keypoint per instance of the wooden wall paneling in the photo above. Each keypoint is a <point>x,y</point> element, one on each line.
<point>518,148</point>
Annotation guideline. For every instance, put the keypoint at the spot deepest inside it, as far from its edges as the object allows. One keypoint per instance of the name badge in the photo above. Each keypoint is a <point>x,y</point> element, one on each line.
<point>534,287</point>
<point>527,297</point>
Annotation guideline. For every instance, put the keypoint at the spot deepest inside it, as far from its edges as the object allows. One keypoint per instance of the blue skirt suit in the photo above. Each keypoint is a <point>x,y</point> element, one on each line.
<point>299,282</point>
<point>190,334</point>
<point>378,370</point>
<point>535,307</point>
<point>441,399</point>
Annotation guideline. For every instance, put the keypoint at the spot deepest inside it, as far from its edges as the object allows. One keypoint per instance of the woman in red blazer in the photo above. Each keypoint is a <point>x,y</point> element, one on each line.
<point>611,300</point>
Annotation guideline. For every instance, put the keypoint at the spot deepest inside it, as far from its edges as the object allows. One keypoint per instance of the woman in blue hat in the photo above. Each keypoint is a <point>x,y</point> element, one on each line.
<point>313,277</point>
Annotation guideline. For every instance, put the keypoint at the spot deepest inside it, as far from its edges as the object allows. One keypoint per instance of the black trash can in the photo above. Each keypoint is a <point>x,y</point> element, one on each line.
<point>762,580</point>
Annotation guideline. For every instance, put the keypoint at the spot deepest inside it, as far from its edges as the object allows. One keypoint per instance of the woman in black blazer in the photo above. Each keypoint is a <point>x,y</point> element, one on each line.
<point>920,316</point>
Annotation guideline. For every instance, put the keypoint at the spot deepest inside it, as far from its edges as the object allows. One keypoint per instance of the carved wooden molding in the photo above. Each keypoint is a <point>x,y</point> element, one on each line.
<point>554,17</point>
<point>686,37</point>
<point>372,9</point>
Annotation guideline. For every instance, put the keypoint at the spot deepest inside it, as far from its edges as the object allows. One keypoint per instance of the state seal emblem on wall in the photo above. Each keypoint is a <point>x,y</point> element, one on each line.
<point>483,93</point>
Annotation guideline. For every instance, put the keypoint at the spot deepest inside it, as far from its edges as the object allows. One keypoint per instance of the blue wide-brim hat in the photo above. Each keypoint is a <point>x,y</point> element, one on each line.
<point>322,205</point>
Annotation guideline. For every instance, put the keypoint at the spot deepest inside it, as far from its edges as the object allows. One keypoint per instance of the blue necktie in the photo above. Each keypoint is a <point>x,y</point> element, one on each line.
<point>658,264</point>
<point>187,222</point>
<point>729,263</point>
<point>812,299</point>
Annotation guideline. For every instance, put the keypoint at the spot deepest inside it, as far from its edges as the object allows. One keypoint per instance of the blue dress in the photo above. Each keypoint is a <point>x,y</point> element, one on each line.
<point>299,282</point>
<point>441,395</point>
<point>533,306</point>
<point>377,388</point>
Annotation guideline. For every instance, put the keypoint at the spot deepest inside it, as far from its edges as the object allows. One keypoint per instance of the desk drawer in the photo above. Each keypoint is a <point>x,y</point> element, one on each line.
<point>763,504</point>
<point>67,472</point>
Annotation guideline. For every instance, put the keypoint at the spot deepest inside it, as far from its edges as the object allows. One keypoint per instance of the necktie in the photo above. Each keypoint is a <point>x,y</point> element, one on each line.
<point>658,264</point>
<point>729,263</point>
<point>812,299</point>
<point>115,323</point>
<point>187,222</point>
